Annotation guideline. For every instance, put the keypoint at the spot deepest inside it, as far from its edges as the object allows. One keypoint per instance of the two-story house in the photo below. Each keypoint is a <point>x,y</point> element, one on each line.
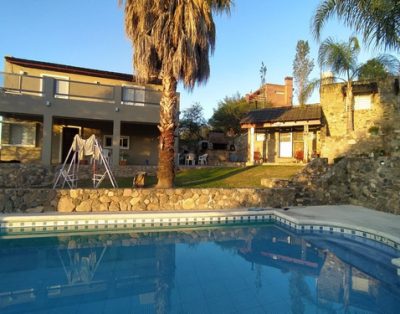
<point>43,105</point>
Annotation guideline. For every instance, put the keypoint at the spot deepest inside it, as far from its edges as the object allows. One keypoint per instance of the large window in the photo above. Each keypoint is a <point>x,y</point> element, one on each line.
<point>18,134</point>
<point>133,95</point>
<point>123,142</point>
<point>362,102</point>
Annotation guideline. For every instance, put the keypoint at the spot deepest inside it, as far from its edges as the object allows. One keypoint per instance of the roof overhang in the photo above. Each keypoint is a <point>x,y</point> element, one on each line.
<point>280,124</point>
<point>48,66</point>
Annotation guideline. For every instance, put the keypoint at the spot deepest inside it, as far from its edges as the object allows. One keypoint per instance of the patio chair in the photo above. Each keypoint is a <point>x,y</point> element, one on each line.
<point>203,159</point>
<point>258,158</point>
<point>190,159</point>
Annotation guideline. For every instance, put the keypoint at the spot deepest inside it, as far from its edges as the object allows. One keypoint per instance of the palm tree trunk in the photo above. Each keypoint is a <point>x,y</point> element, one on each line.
<point>167,126</point>
<point>350,107</point>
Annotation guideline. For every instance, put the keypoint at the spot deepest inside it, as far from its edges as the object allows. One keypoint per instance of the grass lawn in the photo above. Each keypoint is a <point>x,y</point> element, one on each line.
<point>233,177</point>
<point>222,177</point>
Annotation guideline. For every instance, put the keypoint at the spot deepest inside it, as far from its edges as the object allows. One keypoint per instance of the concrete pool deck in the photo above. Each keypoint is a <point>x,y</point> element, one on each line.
<point>348,219</point>
<point>348,215</point>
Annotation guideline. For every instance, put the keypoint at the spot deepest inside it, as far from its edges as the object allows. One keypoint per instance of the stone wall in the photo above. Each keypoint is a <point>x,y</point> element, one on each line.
<point>16,175</point>
<point>375,183</point>
<point>376,130</point>
<point>91,200</point>
<point>369,182</point>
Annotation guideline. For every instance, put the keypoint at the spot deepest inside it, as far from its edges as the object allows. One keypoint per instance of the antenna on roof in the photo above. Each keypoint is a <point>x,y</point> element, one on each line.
<point>263,73</point>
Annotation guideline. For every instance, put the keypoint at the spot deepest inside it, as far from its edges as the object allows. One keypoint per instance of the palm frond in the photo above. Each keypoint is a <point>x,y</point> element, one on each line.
<point>310,87</point>
<point>340,57</point>
<point>379,68</point>
<point>323,13</point>
<point>173,37</point>
<point>377,20</point>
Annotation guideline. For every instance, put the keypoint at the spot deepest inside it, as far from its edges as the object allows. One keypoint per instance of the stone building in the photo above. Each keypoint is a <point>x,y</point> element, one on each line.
<point>290,134</point>
<point>376,119</point>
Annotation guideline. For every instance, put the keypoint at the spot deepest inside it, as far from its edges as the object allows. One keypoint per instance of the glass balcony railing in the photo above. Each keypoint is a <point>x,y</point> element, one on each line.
<point>77,90</point>
<point>84,91</point>
<point>21,84</point>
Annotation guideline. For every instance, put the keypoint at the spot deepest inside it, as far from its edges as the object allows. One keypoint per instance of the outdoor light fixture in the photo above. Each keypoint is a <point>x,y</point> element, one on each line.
<point>48,103</point>
<point>116,109</point>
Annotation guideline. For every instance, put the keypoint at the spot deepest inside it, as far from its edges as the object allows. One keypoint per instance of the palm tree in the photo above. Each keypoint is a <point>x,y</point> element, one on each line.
<point>341,59</point>
<point>377,20</point>
<point>172,40</point>
<point>379,68</point>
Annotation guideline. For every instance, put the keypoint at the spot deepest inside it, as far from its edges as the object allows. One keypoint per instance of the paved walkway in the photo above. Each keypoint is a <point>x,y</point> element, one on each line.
<point>364,219</point>
<point>346,216</point>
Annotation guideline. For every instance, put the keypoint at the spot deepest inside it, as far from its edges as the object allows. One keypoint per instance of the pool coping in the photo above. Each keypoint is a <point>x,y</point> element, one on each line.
<point>344,219</point>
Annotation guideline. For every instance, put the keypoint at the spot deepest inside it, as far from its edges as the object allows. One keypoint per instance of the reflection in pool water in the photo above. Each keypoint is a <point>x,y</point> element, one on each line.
<point>261,269</point>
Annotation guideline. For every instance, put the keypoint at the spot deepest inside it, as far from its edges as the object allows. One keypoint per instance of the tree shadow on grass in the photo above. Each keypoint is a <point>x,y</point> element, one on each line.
<point>212,176</point>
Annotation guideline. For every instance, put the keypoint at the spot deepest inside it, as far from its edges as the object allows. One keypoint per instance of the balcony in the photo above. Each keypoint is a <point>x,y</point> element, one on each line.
<point>25,94</point>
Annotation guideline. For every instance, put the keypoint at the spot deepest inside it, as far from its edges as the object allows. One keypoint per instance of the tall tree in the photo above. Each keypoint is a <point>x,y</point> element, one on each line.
<point>379,68</point>
<point>302,67</point>
<point>377,20</point>
<point>172,40</point>
<point>192,122</point>
<point>229,113</point>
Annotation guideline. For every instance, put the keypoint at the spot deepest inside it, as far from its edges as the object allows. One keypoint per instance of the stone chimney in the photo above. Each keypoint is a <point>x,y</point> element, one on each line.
<point>289,90</point>
<point>327,78</point>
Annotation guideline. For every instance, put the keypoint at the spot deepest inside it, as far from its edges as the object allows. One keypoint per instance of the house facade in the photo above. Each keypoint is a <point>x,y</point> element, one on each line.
<point>43,105</point>
<point>289,134</point>
<point>283,134</point>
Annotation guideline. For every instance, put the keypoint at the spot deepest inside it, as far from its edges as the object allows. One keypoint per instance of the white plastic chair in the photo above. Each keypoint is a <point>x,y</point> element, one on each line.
<point>203,159</point>
<point>190,159</point>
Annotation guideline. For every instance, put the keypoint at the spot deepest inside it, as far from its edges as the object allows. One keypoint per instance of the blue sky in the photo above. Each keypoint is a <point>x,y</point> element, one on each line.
<point>90,33</point>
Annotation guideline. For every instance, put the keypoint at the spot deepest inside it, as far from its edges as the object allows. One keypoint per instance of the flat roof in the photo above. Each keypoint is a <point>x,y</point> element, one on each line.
<point>74,70</point>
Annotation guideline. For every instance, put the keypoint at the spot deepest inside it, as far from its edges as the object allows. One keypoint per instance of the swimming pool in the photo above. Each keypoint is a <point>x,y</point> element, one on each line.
<point>262,268</point>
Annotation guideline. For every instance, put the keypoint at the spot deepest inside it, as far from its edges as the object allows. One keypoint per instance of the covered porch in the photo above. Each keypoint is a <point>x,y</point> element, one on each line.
<point>283,135</point>
<point>23,139</point>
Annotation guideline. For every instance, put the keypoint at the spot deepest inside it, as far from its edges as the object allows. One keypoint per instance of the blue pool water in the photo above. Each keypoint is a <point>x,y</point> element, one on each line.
<point>252,269</point>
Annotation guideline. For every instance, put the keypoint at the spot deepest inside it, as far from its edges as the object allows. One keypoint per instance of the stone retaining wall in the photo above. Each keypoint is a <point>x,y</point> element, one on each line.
<point>88,200</point>
<point>375,183</point>
<point>369,182</point>
<point>16,175</point>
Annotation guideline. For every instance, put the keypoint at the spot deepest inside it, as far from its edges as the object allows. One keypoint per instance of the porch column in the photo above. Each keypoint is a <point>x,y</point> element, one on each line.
<point>117,96</point>
<point>251,141</point>
<point>47,134</point>
<point>305,143</point>
<point>115,142</point>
